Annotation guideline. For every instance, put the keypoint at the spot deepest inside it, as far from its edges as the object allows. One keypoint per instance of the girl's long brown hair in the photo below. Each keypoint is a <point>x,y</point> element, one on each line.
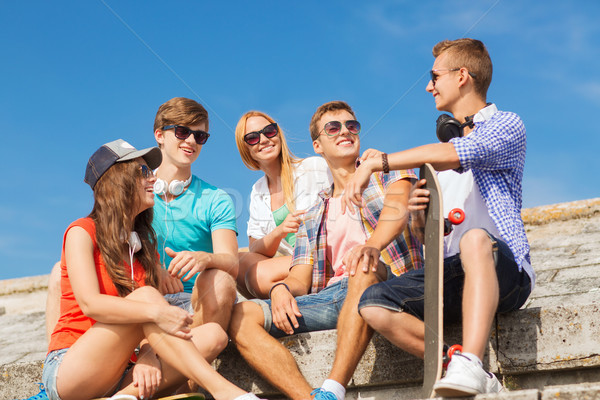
<point>116,197</point>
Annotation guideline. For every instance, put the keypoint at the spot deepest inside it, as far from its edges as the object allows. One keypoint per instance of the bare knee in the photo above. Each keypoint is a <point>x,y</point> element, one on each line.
<point>148,294</point>
<point>376,317</point>
<point>360,281</point>
<point>212,337</point>
<point>246,315</point>
<point>475,240</point>
<point>214,288</point>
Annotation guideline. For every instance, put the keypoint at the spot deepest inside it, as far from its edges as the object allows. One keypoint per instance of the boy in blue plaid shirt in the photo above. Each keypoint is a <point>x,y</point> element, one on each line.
<point>486,258</point>
<point>336,257</point>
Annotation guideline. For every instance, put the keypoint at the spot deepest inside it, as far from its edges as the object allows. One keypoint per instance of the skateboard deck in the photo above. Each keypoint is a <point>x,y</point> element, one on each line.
<point>434,281</point>
<point>183,396</point>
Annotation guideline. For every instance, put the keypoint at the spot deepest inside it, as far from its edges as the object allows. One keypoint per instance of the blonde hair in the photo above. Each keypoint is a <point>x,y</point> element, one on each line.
<point>286,158</point>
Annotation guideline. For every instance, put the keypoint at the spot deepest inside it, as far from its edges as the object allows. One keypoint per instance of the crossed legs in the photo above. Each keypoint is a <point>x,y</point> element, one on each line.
<point>110,345</point>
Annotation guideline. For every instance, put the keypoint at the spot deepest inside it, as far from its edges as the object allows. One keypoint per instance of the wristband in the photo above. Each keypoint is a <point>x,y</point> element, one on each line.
<point>384,163</point>
<point>277,284</point>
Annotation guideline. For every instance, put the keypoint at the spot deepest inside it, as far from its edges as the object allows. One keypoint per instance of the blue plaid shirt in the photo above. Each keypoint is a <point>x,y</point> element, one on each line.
<point>495,152</point>
<point>405,252</point>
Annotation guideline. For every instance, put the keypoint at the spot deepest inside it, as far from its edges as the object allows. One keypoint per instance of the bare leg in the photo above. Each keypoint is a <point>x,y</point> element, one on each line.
<point>264,272</point>
<point>353,333</point>
<point>109,346</point>
<point>209,339</point>
<point>53,300</point>
<point>401,329</point>
<point>244,258</point>
<point>264,353</point>
<point>481,291</point>
<point>213,297</point>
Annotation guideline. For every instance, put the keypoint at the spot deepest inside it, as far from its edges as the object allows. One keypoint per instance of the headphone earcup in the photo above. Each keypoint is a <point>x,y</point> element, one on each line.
<point>135,242</point>
<point>176,187</point>
<point>447,128</point>
<point>160,186</point>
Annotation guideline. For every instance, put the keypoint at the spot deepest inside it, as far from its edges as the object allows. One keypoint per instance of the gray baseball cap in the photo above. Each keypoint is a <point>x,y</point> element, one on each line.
<point>114,152</point>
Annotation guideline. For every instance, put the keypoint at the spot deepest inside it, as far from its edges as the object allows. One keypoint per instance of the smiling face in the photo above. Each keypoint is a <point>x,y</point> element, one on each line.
<point>445,91</point>
<point>268,149</point>
<point>178,152</point>
<point>145,187</point>
<point>343,148</point>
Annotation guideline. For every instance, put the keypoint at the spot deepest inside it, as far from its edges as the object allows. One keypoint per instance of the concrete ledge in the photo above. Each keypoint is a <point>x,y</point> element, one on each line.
<point>561,212</point>
<point>27,284</point>
<point>539,339</point>
<point>524,342</point>
<point>20,380</point>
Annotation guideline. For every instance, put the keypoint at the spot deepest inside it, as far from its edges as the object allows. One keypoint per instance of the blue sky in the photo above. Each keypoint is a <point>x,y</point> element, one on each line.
<point>77,74</point>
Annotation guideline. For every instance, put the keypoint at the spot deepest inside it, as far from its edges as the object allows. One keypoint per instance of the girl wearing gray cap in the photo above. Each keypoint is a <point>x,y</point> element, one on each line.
<point>109,301</point>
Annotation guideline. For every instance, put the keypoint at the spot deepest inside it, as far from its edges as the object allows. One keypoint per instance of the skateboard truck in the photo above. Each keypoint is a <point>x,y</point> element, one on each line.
<point>455,217</point>
<point>449,352</point>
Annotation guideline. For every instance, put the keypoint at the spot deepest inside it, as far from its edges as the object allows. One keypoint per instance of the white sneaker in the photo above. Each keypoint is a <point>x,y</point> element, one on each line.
<point>493,385</point>
<point>466,378</point>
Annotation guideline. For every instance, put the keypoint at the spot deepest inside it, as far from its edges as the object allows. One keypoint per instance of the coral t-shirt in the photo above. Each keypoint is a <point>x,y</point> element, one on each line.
<point>72,322</point>
<point>344,232</point>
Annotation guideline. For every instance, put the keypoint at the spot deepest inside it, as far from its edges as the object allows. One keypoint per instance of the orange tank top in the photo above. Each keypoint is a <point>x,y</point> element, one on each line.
<point>72,322</point>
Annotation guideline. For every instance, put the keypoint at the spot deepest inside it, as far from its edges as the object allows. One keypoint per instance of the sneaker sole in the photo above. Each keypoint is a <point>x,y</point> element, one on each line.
<point>449,390</point>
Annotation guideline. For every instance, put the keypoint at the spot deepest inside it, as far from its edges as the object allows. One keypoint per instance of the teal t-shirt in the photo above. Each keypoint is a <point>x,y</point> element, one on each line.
<point>187,222</point>
<point>279,216</point>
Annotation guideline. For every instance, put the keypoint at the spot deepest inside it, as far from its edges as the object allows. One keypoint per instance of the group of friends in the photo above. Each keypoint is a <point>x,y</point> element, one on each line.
<point>145,295</point>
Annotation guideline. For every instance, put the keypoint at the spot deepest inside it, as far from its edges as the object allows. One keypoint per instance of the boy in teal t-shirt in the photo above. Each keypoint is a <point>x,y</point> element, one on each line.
<point>194,221</point>
<point>188,221</point>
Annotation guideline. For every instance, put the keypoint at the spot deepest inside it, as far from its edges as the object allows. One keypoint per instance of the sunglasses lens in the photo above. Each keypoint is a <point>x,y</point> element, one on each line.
<point>201,137</point>
<point>270,130</point>
<point>433,76</point>
<point>333,128</point>
<point>181,132</point>
<point>146,171</point>
<point>252,138</point>
<point>353,127</point>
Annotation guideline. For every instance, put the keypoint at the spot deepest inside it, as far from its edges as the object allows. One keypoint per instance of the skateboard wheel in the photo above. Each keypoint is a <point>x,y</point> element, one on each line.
<point>456,216</point>
<point>455,348</point>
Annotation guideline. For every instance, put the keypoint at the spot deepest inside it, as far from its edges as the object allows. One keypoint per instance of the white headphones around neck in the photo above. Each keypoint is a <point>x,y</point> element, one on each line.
<point>175,187</point>
<point>134,242</point>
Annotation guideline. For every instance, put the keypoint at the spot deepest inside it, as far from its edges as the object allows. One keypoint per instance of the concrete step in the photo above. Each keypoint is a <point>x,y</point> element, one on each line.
<point>552,341</point>
<point>527,349</point>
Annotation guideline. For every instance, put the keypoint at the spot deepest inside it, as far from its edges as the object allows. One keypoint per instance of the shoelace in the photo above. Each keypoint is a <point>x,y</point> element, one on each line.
<point>322,394</point>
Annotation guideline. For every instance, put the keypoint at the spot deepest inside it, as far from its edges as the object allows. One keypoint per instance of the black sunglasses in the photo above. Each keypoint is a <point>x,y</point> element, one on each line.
<point>269,131</point>
<point>147,173</point>
<point>434,77</point>
<point>183,132</point>
<point>334,128</point>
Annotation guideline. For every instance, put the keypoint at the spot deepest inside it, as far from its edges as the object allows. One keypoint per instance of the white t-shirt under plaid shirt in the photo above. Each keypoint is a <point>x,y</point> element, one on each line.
<point>495,153</point>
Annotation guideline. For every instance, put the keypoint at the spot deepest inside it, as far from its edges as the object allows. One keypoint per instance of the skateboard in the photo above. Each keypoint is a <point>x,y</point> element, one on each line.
<point>436,227</point>
<point>183,396</point>
<point>434,281</point>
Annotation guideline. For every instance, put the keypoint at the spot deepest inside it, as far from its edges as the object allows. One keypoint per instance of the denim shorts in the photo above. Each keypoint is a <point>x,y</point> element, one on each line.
<point>407,291</point>
<point>53,360</point>
<point>50,372</point>
<point>182,300</point>
<point>319,311</point>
